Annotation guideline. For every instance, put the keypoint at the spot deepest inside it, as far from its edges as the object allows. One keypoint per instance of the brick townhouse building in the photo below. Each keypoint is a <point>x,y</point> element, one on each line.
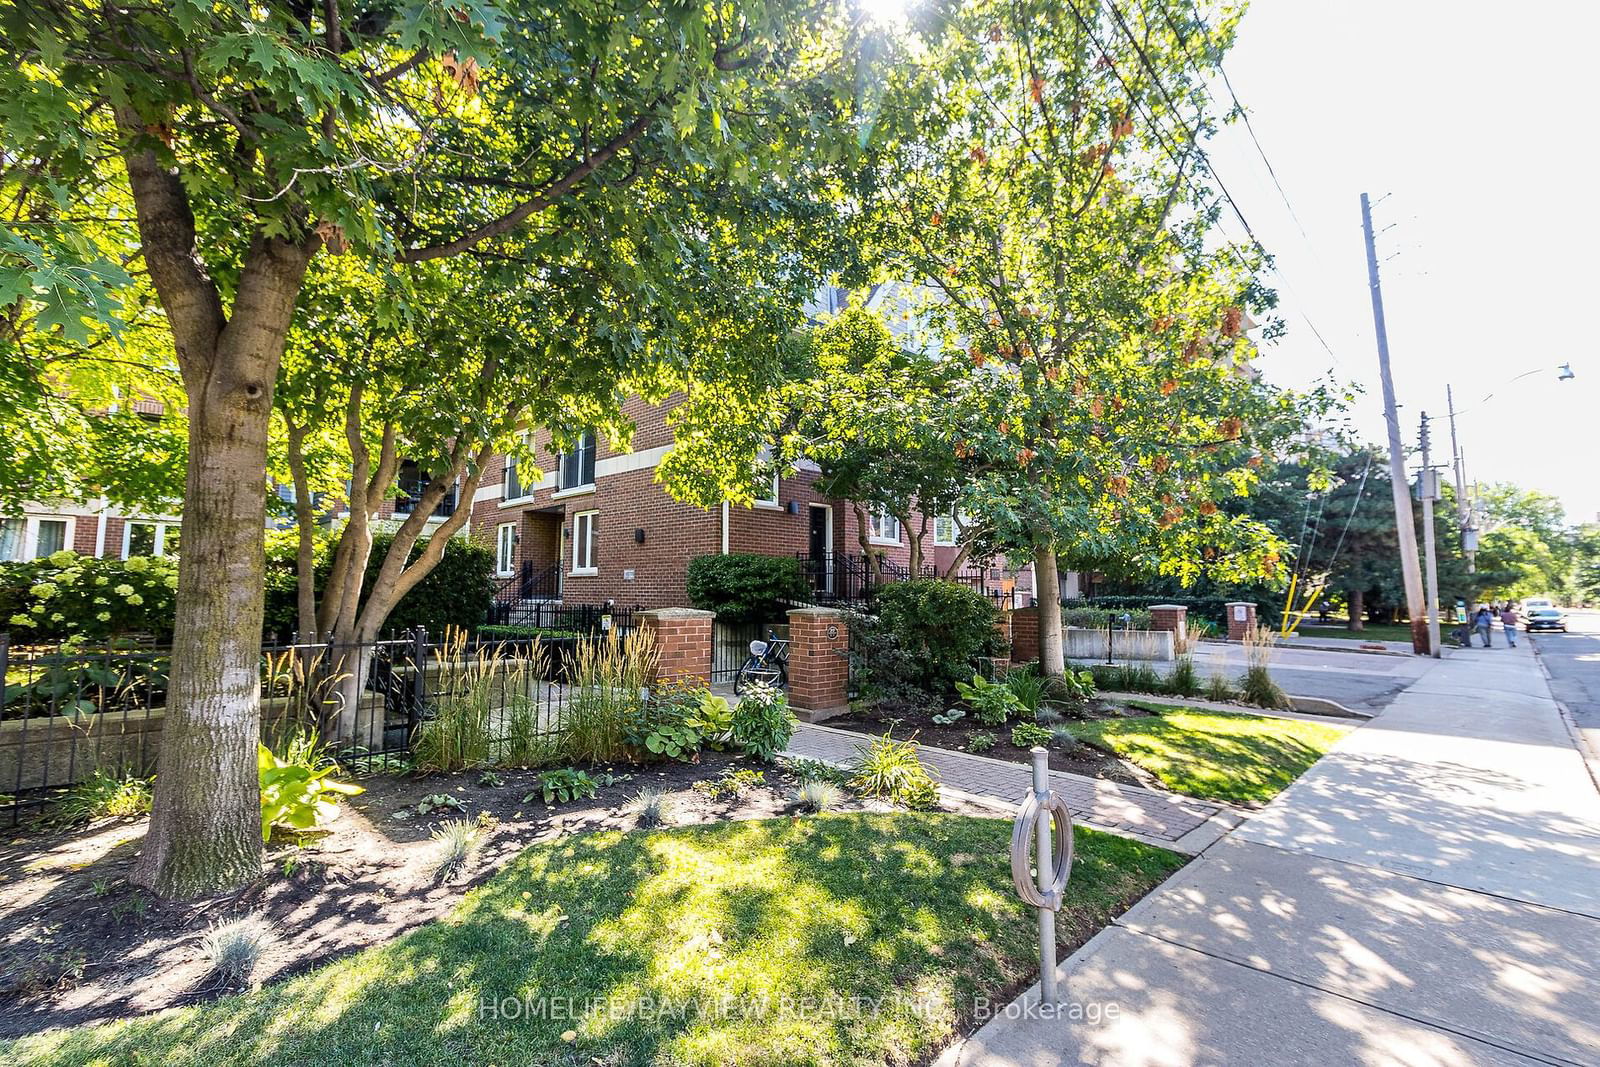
<point>597,526</point>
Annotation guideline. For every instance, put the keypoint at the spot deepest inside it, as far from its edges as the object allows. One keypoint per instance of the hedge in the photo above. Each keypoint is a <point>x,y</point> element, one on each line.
<point>744,588</point>
<point>1212,608</point>
<point>941,627</point>
<point>457,592</point>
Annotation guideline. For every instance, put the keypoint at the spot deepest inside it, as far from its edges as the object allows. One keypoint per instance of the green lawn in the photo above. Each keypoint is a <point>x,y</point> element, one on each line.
<point>1374,631</point>
<point>1214,755</point>
<point>873,906</point>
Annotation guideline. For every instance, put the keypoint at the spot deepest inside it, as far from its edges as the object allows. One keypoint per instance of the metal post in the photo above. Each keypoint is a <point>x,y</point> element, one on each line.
<point>1404,519</point>
<point>1463,514</point>
<point>419,662</point>
<point>1047,916</point>
<point>1428,482</point>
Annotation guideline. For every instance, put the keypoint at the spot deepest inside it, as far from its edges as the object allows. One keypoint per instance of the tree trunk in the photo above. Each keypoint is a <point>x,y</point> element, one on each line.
<point>1052,658</point>
<point>205,823</point>
<point>1357,609</point>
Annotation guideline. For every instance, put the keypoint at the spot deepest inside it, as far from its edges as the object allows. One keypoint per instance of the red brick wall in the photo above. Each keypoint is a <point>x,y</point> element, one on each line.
<point>84,531</point>
<point>1024,635</point>
<point>683,643</point>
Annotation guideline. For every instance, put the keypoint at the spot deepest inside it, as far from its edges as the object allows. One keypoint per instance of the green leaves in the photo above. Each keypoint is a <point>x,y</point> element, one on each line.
<point>295,793</point>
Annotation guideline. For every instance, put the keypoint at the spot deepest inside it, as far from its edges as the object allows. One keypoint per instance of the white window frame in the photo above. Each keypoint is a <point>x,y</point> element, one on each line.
<point>947,540</point>
<point>30,533</point>
<point>764,461</point>
<point>585,543</point>
<point>879,520</point>
<point>513,467</point>
<point>160,541</point>
<point>594,465</point>
<point>505,550</point>
<point>22,538</point>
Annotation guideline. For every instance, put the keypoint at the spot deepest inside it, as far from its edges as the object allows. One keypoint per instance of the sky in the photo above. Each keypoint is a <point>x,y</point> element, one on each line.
<point>1476,124</point>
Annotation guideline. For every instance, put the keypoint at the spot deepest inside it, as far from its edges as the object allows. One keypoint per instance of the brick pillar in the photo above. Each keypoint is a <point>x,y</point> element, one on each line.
<point>819,667</point>
<point>1241,617</point>
<point>1025,634</point>
<point>683,643</point>
<point>1173,618</point>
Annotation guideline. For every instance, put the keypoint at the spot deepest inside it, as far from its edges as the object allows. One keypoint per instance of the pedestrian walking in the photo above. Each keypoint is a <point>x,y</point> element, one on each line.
<point>1481,622</point>
<point>1508,619</point>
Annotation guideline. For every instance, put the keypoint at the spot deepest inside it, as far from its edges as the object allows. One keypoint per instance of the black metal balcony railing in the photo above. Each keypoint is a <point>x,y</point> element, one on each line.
<point>409,503</point>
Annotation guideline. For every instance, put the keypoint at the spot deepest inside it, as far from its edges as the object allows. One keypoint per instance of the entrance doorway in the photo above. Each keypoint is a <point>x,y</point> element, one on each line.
<point>820,547</point>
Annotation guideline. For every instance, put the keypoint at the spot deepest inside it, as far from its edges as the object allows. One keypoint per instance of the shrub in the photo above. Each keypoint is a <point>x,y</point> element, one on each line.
<point>296,788</point>
<point>234,949</point>
<point>458,842</point>
<point>732,782</point>
<point>677,720</point>
<point>1100,618</point>
<point>67,595</point>
<point>891,770</point>
<point>745,588</point>
<point>942,628</point>
<point>1027,734</point>
<point>102,796</point>
<point>525,633</point>
<point>1028,687</point>
<point>1257,686</point>
<point>981,741</point>
<point>456,593</point>
<point>651,806</point>
<point>1183,681</point>
<point>564,785</point>
<point>762,723</point>
<point>992,703</point>
<point>813,770</point>
<point>818,797</point>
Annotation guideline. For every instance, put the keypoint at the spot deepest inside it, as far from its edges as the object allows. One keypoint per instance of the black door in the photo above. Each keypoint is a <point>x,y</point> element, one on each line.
<point>819,551</point>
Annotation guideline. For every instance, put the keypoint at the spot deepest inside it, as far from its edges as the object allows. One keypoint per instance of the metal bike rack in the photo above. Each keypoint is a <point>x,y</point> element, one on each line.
<point>1042,885</point>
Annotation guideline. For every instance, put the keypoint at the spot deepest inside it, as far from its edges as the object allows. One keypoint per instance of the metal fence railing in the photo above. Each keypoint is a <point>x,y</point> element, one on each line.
<point>68,711</point>
<point>730,646</point>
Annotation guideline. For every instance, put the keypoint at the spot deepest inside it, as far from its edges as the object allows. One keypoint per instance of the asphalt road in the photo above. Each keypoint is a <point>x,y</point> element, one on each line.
<point>1354,679</point>
<point>1573,660</point>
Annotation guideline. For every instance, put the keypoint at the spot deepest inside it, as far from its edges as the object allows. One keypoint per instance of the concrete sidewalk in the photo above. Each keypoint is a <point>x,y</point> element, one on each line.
<point>1428,893</point>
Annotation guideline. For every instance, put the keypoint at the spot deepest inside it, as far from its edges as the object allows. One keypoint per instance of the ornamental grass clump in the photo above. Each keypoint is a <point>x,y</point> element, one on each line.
<point>652,807</point>
<point>610,677</point>
<point>1257,686</point>
<point>458,842</point>
<point>234,949</point>
<point>104,796</point>
<point>818,797</point>
<point>890,770</point>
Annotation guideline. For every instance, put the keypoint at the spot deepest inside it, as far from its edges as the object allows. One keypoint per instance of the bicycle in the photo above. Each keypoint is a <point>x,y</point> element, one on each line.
<point>768,664</point>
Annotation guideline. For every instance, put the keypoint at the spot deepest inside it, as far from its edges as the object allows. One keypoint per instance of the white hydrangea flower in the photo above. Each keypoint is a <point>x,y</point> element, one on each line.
<point>123,589</point>
<point>135,599</point>
<point>104,616</point>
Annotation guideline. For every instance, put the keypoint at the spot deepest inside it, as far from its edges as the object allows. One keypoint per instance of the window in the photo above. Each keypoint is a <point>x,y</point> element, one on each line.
<point>412,481</point>
<point>511,485</point>
<point>505,549</point>
<point>766,487</point>
<point>139,539</point>
<point>883,527</point>
<point>577,466</point>
<point>149,539</point>
<point>585,539</point>
<point>11,531</point>
<point>51,538</point>
<point>944,529</point>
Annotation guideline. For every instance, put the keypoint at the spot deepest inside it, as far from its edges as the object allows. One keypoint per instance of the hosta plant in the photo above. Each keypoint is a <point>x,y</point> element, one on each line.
<point>296,793</point>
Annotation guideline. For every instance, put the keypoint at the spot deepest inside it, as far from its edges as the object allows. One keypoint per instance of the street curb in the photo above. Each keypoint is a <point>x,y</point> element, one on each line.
<point>1329,708</point>
<point>1580,740</point>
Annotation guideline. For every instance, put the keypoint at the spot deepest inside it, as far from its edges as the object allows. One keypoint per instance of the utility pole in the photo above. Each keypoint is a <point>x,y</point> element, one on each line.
<point>1469,536</point>
<point>1428,489</point>
<point>1404,519</point>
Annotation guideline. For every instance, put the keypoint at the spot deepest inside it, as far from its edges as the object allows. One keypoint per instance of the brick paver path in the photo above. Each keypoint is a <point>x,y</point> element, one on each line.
<point>1099,803</point>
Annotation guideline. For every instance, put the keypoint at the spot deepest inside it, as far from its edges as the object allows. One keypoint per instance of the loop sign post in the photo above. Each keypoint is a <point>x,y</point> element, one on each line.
<point>1042,882</point>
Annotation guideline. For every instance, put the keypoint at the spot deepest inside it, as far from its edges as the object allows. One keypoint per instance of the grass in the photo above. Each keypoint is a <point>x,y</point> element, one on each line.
<point>914,913</point>
<point>1213,755</point>
<point>1373,631</point>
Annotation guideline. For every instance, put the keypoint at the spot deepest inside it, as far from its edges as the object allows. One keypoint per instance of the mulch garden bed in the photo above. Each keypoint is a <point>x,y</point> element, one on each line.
<point>78,943</point>
<point>904,721</point>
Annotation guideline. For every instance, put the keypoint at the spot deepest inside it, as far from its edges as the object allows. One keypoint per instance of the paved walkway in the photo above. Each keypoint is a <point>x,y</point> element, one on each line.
<point>1428,893</point>
<point>1130,810</point>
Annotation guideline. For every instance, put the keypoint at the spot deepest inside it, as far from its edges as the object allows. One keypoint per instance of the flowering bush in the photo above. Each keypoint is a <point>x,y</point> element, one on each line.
<point>68,595</point>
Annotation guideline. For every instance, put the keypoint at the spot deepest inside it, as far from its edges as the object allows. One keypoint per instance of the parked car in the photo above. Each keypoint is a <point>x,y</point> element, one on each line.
<point>1541,613</point>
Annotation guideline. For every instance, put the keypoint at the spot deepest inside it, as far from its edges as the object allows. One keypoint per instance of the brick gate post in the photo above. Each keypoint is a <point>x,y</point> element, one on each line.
<point>819,665</point>
<point>1173,618</point>
<point>683,643</point>
<point>1241,617</point>
<point>1025,635</point>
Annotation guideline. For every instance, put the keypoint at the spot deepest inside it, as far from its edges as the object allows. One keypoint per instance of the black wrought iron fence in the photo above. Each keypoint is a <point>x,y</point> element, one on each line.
<point>69,711</point>
<point>730,646</point>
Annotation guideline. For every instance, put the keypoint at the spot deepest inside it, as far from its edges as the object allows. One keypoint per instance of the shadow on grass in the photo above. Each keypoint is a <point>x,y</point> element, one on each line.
<point>850,938</point>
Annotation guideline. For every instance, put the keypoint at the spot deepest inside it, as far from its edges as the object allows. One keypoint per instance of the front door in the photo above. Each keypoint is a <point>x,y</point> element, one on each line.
<point>820,551</point>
